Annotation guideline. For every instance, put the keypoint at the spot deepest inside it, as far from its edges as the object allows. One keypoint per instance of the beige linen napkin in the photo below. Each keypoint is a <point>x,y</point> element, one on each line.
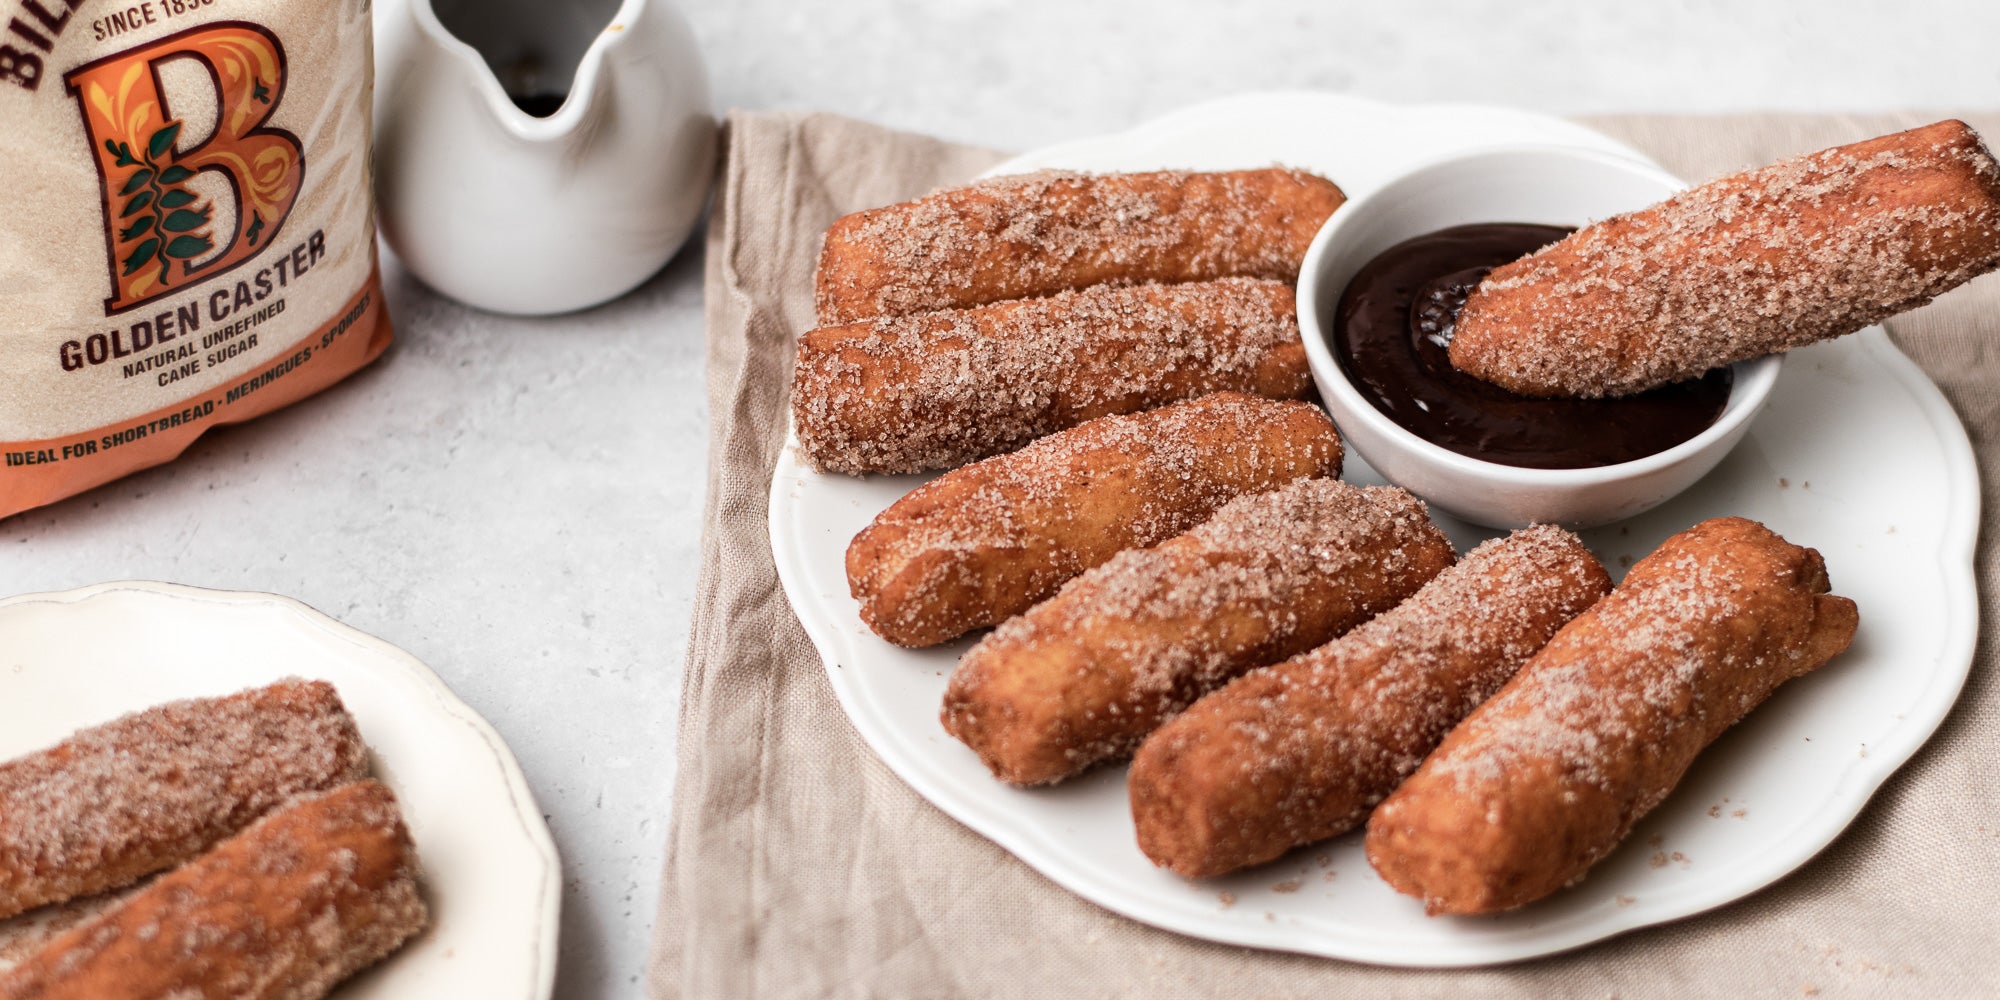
<point>799,866</point>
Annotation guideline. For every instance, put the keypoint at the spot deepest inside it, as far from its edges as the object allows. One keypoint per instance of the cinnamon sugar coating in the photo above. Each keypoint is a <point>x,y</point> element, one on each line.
<point>1301,750</point>
<point>1806,249</point>
<point>940,389</point>
<point>985,542</point>
<point>285,910</point>
<point>1037,234</point>
<point>119,801</point>
<point>1085,676</point>
<point>1544,779</point>
<point>23,935</point>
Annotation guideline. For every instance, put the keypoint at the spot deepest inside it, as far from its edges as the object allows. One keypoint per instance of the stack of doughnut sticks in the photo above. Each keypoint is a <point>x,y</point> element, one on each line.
<point>1144,510</point>
<point>277,867</point>
<point>1314,656</point>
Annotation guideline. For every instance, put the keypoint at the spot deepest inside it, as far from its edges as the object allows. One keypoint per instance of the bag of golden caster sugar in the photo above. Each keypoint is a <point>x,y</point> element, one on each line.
<point>188,234</point>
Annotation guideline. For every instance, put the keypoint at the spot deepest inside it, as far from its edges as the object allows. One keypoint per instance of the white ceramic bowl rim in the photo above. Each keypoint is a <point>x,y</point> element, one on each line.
<point>1751,384</point>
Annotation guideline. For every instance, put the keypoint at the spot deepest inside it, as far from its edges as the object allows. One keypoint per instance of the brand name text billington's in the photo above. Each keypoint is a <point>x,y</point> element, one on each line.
<point>35,25</point>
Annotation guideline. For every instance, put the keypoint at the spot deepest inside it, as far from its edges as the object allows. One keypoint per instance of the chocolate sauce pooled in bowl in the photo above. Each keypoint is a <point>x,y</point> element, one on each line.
<point>1392,330</point>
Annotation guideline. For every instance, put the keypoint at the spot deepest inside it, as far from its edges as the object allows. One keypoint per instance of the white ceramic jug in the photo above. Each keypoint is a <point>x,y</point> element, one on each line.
<point>507,211</point>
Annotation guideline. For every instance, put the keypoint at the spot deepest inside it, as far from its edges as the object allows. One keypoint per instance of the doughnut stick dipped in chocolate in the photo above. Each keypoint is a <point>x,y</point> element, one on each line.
<point>938,390</point>
<point>1037,234</point>
<point>985,542</point>
<point>285,910</point>
<point>1775,258</point>
<point>1547,776</point>
<point>1300,751</point>
<point>120,801</point>
<point>1084,677</point>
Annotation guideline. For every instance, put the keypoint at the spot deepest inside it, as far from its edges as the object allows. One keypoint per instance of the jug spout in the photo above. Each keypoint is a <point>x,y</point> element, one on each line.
<point>538,158</point>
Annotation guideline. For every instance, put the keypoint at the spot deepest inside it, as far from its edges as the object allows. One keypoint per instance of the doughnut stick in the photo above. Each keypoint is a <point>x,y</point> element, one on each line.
<point>1300,751</point>
<point>985,542</point>
<point>1547,776</point>
<point>285,910</point>
<point>23,935</point>
<point>1036,234</point>
<point>1084,677</point>
<point>941,389</point>
<point>120,801</point>
<point>1754,263</point>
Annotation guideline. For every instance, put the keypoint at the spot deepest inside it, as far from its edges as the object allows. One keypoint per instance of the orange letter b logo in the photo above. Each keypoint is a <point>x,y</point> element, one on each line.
<point>162,235</point>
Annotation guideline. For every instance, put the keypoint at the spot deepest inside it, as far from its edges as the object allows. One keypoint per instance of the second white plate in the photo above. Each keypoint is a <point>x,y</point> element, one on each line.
<point>491,876</point>
<point>1857,455</point>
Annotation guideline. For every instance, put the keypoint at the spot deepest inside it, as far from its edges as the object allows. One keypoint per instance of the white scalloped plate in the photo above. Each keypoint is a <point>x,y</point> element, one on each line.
<point>1857,455</point>
<point>491,875</point>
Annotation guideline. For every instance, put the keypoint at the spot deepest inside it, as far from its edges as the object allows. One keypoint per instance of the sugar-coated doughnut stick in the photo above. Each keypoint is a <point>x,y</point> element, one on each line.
<point>119,801</point>
<point>985,542</point>
<point>1084,677</point>
<point>285,910</point>
<point>1754,263</point>
<point>24,934</point>
<point>1037,234</point>
<point>1301,750</point>
<point>940,389</point>
<point>1546,777</point>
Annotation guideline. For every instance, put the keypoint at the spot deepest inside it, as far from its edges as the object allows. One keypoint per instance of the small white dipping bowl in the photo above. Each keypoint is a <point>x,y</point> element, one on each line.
<point>1545,185</point>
